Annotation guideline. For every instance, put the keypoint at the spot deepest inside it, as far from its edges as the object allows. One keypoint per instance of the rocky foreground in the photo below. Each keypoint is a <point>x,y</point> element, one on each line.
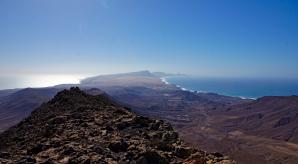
<point>78,128</point>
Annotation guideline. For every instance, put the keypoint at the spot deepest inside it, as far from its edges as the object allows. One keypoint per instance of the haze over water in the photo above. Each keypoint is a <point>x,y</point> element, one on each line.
<point>35,81</point>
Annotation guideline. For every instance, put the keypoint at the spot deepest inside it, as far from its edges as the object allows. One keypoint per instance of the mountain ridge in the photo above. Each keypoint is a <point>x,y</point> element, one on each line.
<point>75,127</point>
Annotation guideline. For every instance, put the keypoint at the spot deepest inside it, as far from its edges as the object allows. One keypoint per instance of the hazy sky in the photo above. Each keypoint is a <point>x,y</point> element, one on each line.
<point>256,38</point>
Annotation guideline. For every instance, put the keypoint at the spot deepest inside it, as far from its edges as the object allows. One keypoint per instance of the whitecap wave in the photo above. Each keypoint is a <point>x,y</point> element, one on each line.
<point>164,80</point>
<point>246,98</point>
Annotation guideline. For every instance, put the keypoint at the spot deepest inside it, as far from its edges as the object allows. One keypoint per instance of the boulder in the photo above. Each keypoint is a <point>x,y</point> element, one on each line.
<point>152,157</point>
<point>118,146</point>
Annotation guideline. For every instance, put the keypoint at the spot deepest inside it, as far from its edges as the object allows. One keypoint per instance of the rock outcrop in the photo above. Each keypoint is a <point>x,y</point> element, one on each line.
<point>75,127</point>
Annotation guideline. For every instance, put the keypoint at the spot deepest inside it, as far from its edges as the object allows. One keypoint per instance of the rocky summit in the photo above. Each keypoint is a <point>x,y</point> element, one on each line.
<point>75,127</point>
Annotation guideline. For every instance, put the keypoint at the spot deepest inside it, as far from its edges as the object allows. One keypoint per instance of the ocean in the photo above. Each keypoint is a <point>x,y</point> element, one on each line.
<point>238,87</point>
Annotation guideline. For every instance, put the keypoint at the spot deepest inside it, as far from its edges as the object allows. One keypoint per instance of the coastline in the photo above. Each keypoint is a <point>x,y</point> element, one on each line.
<point>164,80</point>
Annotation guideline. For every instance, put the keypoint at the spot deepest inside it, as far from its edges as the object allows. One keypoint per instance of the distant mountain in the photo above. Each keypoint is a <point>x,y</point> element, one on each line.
<point>133,79</point>
<point>133,74</point>
<point>78,128</point>
<point>141,78</point>
<point>162,74</point>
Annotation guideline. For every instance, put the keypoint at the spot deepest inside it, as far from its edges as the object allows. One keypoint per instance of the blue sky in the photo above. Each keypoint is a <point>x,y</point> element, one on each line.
<point>221,38</point>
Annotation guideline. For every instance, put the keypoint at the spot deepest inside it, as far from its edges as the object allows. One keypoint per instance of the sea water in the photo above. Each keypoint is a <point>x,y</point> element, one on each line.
<point>239,87</point>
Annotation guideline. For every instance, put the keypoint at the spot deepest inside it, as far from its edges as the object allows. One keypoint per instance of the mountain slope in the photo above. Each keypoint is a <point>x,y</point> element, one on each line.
<point>273,117</point>
<point>18,105</point>
<point>261,131</point>
<point>4,93</point>
<point>80,128</point>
